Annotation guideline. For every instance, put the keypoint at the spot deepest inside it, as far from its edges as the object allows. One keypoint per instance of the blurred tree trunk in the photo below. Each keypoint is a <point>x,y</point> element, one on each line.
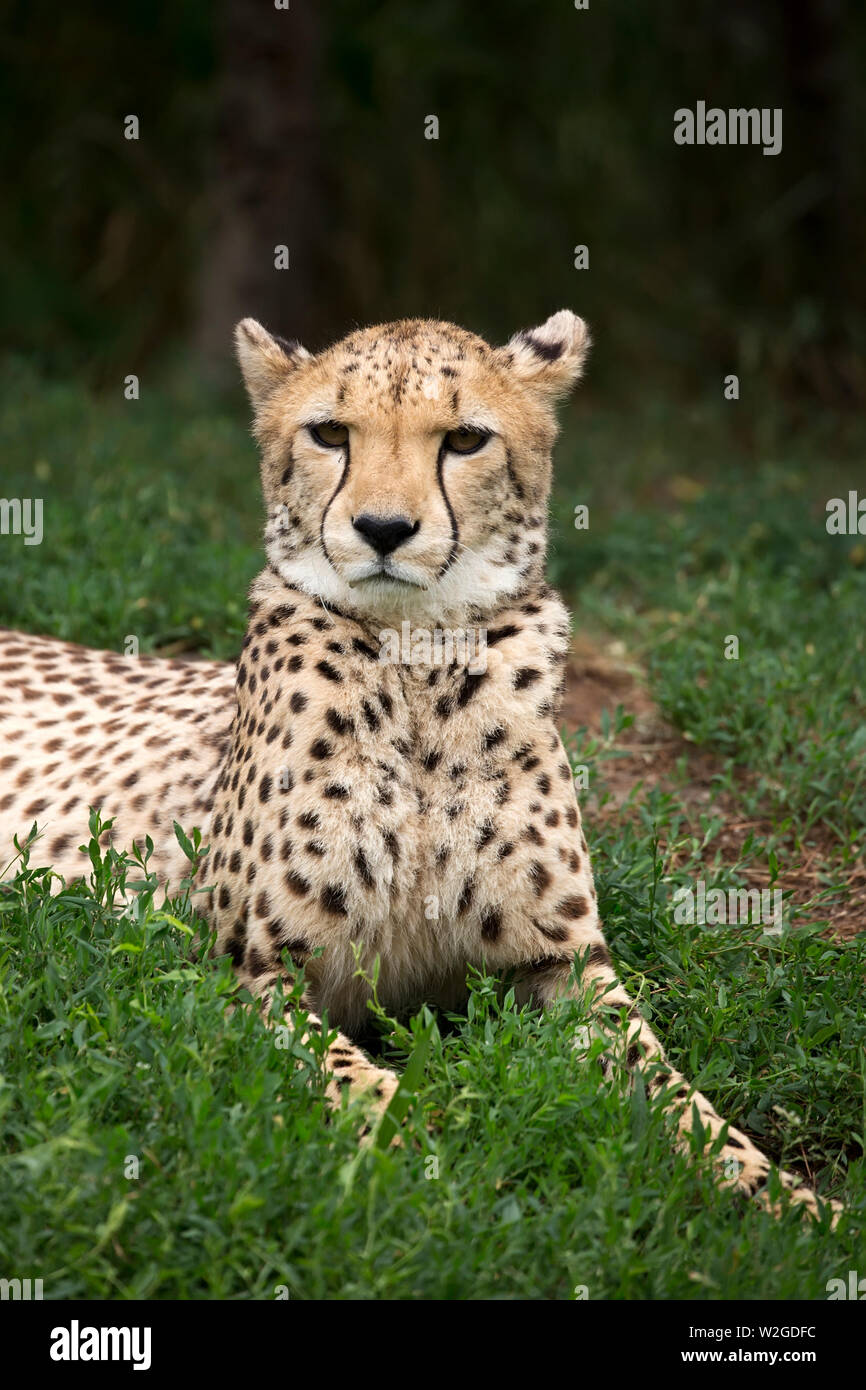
<point>828,266</point>
<point>265,183</point>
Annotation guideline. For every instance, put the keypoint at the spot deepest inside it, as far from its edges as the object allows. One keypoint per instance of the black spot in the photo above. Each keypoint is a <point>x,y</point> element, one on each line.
<point>486,831</point>
<point>363,868</point>
<point>471,682</point>
<point>296,884</point>
<point>339,723</point>
<point>333,899</point>
<point>576,906</point>
<point>599,955</point>
<point>255,962</point>
<point>540,876</point>
<point>370,715</point>
<point>491,924</point>
<point>527,675</point>
<point>499,634</point>
<point>554,933</point>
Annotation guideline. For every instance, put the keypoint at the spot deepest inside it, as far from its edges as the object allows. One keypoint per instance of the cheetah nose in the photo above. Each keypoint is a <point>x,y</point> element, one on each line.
<point>385,533</point>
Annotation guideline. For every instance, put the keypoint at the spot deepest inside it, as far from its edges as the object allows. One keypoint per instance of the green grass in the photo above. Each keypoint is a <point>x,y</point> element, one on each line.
<point>116,1043</point>
<point>749,559</point>
<point>151,517</point>
<point>522,1173</point>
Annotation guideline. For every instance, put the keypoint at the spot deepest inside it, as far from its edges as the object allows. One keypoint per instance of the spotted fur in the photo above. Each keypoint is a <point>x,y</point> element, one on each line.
<point>422,816</point>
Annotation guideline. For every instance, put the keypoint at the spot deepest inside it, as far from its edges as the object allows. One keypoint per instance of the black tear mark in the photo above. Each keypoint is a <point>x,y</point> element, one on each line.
<point>340,485</point>
<point>455,532</point>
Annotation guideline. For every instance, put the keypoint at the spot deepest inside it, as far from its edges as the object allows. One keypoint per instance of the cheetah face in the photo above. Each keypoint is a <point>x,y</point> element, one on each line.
<point>406,470</point>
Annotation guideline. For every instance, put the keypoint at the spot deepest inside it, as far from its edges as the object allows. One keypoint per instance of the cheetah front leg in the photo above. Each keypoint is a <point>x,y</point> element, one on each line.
<point>738,1162</point>
<point>347,1067</point>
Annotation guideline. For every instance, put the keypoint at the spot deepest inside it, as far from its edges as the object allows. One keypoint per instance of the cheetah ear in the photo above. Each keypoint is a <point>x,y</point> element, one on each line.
<point>265,359</point>
<point>551,356</point>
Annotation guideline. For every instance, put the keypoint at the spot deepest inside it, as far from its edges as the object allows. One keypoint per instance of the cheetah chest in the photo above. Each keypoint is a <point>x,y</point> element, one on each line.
<point>381,810</point>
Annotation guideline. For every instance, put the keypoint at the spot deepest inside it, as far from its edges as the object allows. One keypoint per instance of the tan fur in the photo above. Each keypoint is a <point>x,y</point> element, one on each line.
<point>421,815</point>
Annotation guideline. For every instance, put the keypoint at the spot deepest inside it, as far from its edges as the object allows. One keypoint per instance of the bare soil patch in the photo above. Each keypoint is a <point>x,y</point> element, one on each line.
<point>600,676</point>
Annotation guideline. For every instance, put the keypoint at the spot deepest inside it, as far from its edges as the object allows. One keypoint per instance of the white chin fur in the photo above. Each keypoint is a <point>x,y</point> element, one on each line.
<point>471,582</point>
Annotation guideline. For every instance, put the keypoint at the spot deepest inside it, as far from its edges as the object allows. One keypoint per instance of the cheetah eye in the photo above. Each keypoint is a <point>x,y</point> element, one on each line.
<point>465,440</point>
<point>330,433</point>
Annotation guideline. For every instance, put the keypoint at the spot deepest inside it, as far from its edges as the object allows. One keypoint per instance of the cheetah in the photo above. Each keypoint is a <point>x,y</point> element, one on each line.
<point>365,811</point>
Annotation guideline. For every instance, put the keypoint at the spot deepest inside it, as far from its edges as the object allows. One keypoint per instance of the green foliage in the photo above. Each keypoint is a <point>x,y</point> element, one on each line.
<point>157,1144</point>
<point>749,557</point>
<point>151,516</point>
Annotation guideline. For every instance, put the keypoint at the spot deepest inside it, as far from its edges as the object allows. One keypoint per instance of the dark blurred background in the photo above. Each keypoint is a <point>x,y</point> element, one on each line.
<point>306,127</point>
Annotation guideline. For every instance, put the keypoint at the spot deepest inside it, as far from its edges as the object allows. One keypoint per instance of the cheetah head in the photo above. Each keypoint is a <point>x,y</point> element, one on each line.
<point>406,469</point>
